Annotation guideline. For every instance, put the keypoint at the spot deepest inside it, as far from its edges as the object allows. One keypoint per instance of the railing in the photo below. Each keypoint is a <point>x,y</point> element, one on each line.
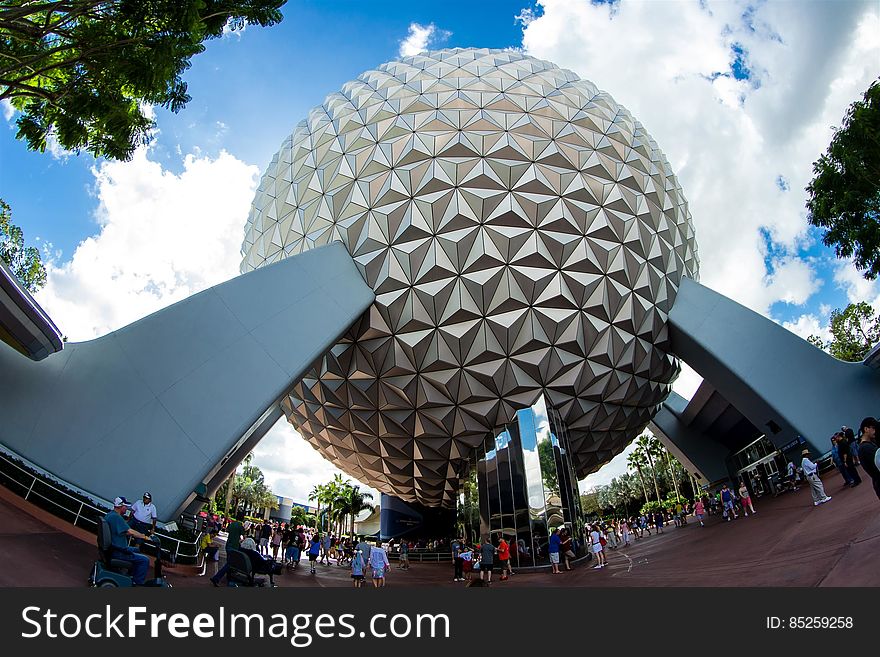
<point>66,506</point>
<point>422,555</point>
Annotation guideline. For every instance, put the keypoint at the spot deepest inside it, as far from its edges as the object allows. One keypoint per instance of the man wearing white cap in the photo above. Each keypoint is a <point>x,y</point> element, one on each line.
<point>119,533</point>
<point>143,515</point>
<point>811,472</point>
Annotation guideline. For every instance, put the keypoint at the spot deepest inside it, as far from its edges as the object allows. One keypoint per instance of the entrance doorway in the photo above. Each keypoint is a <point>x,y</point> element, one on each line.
<point>759,476</point>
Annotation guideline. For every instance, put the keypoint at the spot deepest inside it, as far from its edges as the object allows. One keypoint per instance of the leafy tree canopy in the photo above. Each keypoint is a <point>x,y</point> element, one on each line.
<point>548,466</point>
<point>844,195</point>
<point>854,330</point>
<point>24,261</point>
<point>84,69</point>
<point>249,490</point>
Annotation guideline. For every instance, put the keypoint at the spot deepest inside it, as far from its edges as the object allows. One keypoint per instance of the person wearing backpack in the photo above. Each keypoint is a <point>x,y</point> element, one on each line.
<point>358,565</point>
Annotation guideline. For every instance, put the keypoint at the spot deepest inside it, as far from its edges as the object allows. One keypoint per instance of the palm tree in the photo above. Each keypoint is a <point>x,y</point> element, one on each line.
<point>645,443</point>
<point>694,485</point>
<point>299,516</point>
<point>332,493</point>
<point>637,460</point>
<point>352,502</point>
<point>671,472</point>
<point>317,495</point>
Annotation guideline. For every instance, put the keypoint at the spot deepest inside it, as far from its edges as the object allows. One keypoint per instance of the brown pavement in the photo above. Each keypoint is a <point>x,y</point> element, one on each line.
<point>789,542</point>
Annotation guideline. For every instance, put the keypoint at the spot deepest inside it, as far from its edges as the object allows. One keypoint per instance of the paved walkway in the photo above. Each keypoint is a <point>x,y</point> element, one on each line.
<point>787,543</point>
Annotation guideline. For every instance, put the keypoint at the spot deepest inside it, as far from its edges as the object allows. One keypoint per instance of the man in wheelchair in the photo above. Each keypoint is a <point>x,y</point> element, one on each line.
<point>119,548</point>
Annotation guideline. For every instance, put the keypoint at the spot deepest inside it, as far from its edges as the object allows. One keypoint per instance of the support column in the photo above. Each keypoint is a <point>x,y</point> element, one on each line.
<point>159,404</point>
<point>784,385</point>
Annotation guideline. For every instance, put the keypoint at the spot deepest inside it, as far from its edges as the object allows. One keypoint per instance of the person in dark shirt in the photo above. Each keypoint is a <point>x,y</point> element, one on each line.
<point>487,559</point>
<point>233,542</point>
<point>119,533</point>
<point>868,450</point>
<point>849,456</point>
<point>458,574</point>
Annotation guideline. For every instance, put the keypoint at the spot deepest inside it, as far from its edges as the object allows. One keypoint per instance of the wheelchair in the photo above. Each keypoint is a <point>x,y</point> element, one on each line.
<point>246,565</point>
<point>115,573</point>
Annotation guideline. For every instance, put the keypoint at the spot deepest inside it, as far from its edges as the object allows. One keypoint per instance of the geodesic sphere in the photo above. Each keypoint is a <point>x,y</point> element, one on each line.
<point>523,234</point>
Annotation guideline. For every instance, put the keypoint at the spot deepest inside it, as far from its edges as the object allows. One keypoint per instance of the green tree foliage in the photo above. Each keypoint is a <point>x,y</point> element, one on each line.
<point>590,504</point>
<point>651,507</point>
<point>349,504</point>
<point>816,341</point>
<point>339,503</point>
<point>83,69</point>
<point>249,491</point>
<point>548,466</point>
<point>637,460</point>
<point>648,447</point>
<point>299,516</point>
<point>854,330</point>
<point>23,261</point>
<point>844,195</point>
<point>629,492</point>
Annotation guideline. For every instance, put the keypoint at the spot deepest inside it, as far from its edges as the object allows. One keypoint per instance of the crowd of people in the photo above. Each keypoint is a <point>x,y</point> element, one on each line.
<point>272,546</point>
<point>849,453</point>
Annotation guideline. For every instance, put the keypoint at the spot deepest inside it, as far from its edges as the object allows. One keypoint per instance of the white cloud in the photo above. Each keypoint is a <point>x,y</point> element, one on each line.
<point>809,324</point>
<point>162,238</point>
<point>856,287</point>
<point>729,140</point>
<point>292,467</point>
<point>793,281</point>
<point>55,149</point>
<point>230,30</point>
<point>687,382</point>
<point>420,37</point>
<point>614,468</point>
<point>8,110</point>
<point>525,16</point>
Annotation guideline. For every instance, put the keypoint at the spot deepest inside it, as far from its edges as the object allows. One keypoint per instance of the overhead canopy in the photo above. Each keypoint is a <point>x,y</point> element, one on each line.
<point>23,324</point>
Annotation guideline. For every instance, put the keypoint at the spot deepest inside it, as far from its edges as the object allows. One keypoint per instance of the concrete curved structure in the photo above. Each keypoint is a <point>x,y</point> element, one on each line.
<point>523,235</point>
<point>173,402</point>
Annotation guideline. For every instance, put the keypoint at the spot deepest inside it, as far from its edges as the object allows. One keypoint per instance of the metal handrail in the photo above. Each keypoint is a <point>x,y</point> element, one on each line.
<point>178,543</point>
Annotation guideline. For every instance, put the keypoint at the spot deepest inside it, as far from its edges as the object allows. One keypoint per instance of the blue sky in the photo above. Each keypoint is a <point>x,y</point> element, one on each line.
<point>739,95</point>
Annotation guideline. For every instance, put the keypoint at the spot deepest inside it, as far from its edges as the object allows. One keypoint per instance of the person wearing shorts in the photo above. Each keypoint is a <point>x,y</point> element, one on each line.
<point>553,549</point>
<point>265,535</point>
<point>504,558</point>
<point>357,569</point>
<point>699,511</point>
<point>745,499</point>
<point>487,560</point>
<point>379,564</point>
<point>597,547</point>
<point>727,503</point>
<point>325,550</point>
<point>314,551</point>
